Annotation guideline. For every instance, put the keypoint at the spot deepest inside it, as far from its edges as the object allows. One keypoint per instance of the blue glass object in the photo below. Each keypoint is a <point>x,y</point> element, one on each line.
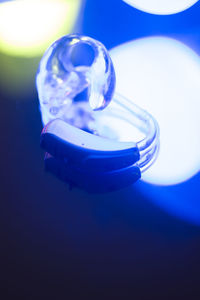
<point>66,79</point>
<point>83,135</point>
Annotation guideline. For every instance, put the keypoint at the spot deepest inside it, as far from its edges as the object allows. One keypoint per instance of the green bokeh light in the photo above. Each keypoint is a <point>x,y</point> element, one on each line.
<point>28,27</point>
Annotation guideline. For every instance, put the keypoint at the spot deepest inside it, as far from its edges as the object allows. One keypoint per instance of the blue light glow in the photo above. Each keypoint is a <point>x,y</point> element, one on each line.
<point>180,201</point>
<point>162,76</point>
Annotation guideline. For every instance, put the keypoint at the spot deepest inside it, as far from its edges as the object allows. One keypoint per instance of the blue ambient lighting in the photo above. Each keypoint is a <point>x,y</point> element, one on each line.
<point>180,201</point>
<point>162,76</point>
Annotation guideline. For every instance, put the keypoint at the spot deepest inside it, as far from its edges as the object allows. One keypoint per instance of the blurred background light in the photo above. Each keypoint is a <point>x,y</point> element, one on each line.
<point>162,76</point>
<point>161,7</point>
<point>28,27</point>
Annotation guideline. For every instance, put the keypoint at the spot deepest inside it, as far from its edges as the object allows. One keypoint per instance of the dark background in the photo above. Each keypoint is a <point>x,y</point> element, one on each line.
<point>142,242</point>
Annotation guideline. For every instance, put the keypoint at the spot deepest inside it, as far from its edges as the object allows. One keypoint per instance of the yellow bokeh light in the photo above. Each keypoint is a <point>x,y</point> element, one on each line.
<point>28,27</point>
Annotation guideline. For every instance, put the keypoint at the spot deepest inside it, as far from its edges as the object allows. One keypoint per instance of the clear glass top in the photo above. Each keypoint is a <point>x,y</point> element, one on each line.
<point>75,77</point>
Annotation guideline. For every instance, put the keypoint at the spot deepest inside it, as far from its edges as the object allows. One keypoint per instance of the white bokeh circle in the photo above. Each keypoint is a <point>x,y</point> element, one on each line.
<point>161,7</point>
<point>162,76</point>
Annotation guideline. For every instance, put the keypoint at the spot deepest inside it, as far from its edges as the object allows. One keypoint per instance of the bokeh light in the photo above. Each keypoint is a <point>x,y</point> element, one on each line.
<point>28,27</point>
<point>161,7</point>
<point>162,76</point>
<point>180,201</point>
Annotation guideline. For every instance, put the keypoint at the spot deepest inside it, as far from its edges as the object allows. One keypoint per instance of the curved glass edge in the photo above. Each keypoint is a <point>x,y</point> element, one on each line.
<point>148,146</point>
